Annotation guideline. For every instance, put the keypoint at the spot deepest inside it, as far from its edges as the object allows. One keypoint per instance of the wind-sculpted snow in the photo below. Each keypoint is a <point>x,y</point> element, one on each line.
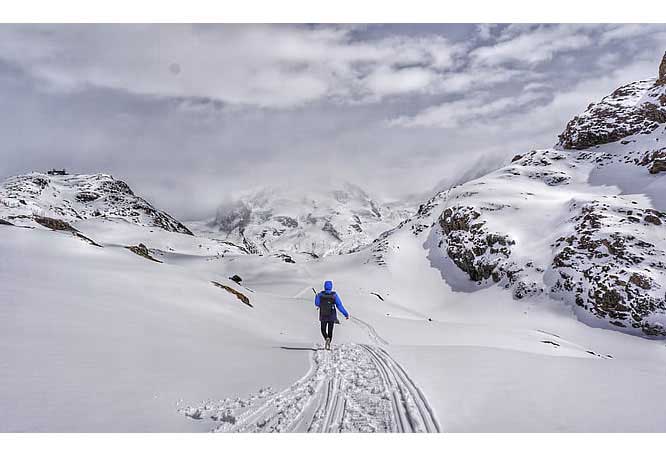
<point>80,197</point>
<point>352,388</point>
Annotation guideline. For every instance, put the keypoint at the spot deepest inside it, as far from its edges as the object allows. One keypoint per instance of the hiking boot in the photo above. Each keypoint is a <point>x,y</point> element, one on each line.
<point>328,344</point>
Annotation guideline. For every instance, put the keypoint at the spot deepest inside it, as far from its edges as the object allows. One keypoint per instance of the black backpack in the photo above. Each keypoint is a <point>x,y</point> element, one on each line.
<point>326,304</point>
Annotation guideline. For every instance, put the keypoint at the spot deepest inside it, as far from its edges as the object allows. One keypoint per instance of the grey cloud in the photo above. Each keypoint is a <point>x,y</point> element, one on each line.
<point>294,105</point>
<point>260,65</point>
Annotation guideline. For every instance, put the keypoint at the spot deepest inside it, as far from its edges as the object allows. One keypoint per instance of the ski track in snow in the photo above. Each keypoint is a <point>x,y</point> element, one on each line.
<point>351,388</point>
<point>372,332</point>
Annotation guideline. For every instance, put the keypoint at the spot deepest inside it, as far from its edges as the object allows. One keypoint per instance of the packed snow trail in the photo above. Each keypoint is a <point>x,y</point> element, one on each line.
<point>351,388</point>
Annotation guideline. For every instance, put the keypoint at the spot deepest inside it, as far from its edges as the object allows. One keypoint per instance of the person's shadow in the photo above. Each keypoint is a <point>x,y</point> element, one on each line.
<point>298,348</point>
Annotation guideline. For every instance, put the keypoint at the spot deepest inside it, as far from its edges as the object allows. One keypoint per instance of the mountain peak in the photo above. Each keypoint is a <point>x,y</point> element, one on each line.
<point>662,71</point>
<point>318,221</point>
<point>635,108</point>
<point>74,197</point>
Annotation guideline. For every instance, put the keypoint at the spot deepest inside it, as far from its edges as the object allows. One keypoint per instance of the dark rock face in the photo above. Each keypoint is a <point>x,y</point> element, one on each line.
<point>55,224</point>
<point>289,222</point>
<point>116,186</point>
<point>654,160</point>
<point>652,217</point>
<point>86,197</point>
<point>658,166</point>
<point>286,258</point>
<point>662,71</point>
<point>241,297</point>
<point>236,278</point>
<point>481,254</point>
<point>653,113</point>
<point>597,267</point>
<point>142,251</point>
<point>5,222</point>
<point>616,116</point>
<point>330,229</point>
<point>26,186</point>
<point>471,247</point>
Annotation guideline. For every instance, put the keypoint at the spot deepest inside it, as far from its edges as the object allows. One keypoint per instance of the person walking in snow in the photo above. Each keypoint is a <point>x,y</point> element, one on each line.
<point>327,301</point>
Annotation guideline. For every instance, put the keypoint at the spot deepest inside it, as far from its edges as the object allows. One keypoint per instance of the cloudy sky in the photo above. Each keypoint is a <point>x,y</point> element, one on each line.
<point>190,115</point>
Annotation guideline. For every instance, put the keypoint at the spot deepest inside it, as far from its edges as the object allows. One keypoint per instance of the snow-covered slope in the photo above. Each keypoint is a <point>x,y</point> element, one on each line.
<point>102,339</point>
<point>582,222</point>
<point>315,222</point>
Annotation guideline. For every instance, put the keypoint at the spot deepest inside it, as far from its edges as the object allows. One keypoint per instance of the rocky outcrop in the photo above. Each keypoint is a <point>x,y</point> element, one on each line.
<point>241,297</point>
<point>484,255</point>
<point>632,109</point>
<point>286,221</point>
<point>655,161</point>
<point>610,267</point>
<point>472,247</point>
<point>142,251</point>
<point>662,72</point>
<point>54,224</point>
<point>60,225</point>
<point>284,257</point>
<point>330,229</point>
<point>86,197</point>
<point>636,108</point>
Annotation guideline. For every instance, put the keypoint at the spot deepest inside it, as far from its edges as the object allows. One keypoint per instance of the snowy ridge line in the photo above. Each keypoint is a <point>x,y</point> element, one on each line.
<point>352,388</point>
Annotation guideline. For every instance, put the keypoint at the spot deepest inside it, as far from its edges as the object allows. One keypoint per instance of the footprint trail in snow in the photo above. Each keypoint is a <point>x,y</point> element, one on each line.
<point>352,388</point>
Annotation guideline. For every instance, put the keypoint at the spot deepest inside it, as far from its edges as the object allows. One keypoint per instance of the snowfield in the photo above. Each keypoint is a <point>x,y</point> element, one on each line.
<point>102,339</point>
<point>530,299</point>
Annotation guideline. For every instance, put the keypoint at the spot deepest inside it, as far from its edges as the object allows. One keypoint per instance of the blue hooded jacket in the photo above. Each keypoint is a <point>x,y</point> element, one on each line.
<point>328,289</point>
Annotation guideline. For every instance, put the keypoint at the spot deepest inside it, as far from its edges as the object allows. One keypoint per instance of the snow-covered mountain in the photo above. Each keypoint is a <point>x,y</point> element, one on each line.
<point>101,210</point>
<point>316,222</point>
<point>79,197</point>
<point>582,222</point>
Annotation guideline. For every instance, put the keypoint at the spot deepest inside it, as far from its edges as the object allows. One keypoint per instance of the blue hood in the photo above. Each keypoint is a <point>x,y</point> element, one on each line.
<point>328,285</point>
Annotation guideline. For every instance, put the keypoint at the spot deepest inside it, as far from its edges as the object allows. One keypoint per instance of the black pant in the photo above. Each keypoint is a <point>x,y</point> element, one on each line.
<point>327,329</point>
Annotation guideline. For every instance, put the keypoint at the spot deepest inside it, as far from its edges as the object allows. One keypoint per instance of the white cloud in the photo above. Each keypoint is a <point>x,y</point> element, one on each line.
<point>469,109</point>
<point>388,81</point>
